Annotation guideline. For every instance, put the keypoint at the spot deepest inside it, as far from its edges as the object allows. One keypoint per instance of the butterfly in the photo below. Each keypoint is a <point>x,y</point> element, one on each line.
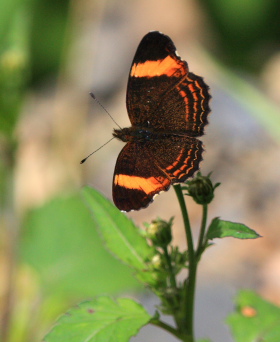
<point>167,106</point>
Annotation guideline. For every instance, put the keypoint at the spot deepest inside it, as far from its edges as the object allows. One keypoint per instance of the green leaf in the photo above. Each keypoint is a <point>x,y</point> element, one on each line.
<point>101,319</point>
<point>220,229</point>
<point>59,241</point>
<point>120,235</point>
<point>255,319</point>
<point>204,340</point>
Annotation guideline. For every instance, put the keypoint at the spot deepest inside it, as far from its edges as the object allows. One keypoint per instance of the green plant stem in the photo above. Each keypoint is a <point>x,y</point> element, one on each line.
<point>201,240</point>
<point>172,275</point>
<point>188,323</point>
<point>166,327</point>
<point>185,215</point>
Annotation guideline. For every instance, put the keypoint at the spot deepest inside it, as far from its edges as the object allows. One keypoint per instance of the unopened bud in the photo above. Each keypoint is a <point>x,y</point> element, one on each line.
<point>159,232</point>
<point>201,189</point>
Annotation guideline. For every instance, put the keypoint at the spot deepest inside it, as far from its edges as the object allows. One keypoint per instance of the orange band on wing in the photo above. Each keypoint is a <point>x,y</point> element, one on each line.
<point>167,66</point>
<point>148,185</point>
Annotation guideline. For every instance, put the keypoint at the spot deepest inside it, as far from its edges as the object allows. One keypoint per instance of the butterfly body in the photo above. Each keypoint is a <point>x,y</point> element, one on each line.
<point>168,107</point>
<point>136,134</point>
<point>143,134</point>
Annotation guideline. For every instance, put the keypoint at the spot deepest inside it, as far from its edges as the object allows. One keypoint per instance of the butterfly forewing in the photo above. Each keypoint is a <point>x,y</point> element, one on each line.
<point>155,70</point>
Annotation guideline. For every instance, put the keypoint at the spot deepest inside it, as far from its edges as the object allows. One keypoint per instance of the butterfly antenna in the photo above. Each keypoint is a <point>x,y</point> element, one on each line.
<point>82,161</point>
<point>100,104</point>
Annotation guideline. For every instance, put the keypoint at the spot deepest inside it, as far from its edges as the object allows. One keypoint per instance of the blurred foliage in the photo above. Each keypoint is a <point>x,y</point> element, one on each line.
<point>255,319</point>
<point>246,32</point>
<point>13,73</point>
<point>61,243</point>
<point>48,38</point>
<point>40,282</point>
<point>32,41</point>
<point>64,259</point>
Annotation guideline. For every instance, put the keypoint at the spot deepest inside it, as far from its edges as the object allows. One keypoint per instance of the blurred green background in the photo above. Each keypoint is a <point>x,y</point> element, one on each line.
<point>52,54</point>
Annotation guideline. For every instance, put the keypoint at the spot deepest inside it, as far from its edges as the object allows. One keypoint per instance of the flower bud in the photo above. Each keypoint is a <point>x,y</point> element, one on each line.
<point>201,189</point>
<point>159,232</point>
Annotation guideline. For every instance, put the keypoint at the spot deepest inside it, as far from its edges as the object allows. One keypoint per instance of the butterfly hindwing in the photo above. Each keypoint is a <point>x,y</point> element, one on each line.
<point>136,178</point>
<point>144,170</point>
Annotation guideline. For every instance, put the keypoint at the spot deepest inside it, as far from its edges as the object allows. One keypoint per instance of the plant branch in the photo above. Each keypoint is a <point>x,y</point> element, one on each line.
<point>166,327</point>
